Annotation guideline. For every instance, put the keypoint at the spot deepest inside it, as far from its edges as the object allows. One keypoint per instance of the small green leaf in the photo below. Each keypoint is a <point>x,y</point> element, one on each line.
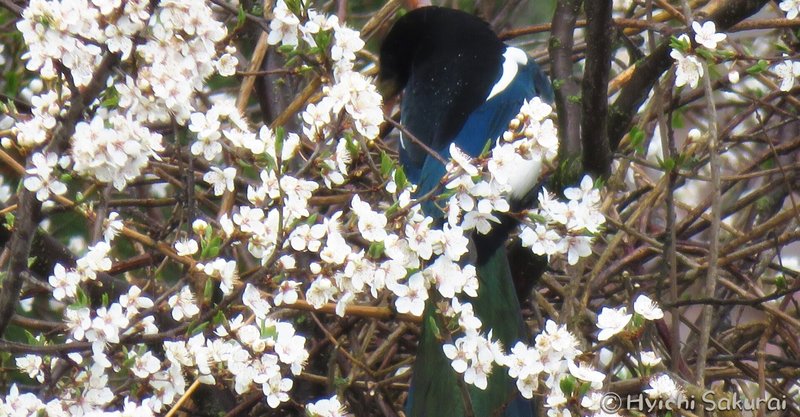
<point>705,53</point>
<point>780,283</point>
<point>567,385</point>
<point>110,98</point>
<point>386,164</point>
<point>677,120</point>
<point>400,178</point>
<point>666,164</point>
<point>240,17</point>
<point>637,139</point>
<point>268,332</point>
<point>198,329</point>
<point>434,327</point>
<point>323,39</point>
<point>208,290</point>
<point>681,45</point>
<point>211,249</point>
<point>31,339</point>
<point>351,145</point>
<point>758,67</point>
<point>376,250</point>
<point>584,388</point>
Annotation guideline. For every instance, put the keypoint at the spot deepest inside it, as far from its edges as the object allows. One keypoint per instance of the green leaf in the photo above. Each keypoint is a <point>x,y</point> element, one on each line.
<point>584,388</point>
<point>219,318</point>
<point>677,120</point>
<point>705,53</point>
<point>637,139</point>
<point>208,290</point>
<point>81,299</point>
<point>240,17</point>
<point>110,98</point>
<point>10,220</point>
<point>198,329</point>
<point>392,209</point>
<point>434,327</point>
<point>568,385</point>
<point>32,340</point>
<point>400,178</point>
<point>351,145</point>
<point>211,249</point>
<point>758,67</point>
<point>762,204</point>
<point>280,135</point>
<point>780,283</point>
<point>13,80</point>
<point>295,6</point>
<point>681,45</point>
<point>538,218</point>
<point>386,164</point>
<point>268,332</point>
<point>376,250</point>
<point>666,164</point>
<point>286,49</point>
<point>323,40</point>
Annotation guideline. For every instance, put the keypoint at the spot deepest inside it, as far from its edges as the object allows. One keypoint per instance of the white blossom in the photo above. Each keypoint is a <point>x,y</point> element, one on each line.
<point>647,308</point>
<point>40,178</point>
<point>791,7</point>
<point>612,321</point>
<point>706,34</point>
<point>183,305</point>
<point>689,69</point>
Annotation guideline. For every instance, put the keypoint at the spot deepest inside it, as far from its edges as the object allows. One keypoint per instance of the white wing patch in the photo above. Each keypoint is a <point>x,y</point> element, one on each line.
<point>512,59</point>
<point>524,178</point>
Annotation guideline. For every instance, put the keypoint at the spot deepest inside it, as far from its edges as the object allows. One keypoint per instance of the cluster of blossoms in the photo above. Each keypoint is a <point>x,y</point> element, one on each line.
<point>552,359</point>
<point>179,54</point>
<point>171,51</point>
<point>689,68</point>
<point>113,148</point>
<point>565,227</point>
<point>613,321</point>
<point>348,89</point>
<point>251,354</point>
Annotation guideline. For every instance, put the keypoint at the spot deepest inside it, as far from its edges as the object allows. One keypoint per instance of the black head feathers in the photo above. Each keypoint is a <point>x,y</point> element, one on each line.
<point>446,61</point>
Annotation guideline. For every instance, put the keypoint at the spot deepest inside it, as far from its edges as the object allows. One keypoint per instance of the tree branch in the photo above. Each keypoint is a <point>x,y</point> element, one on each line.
<point>594,131</point>
<point>30,207</point>
<point>566,89</point>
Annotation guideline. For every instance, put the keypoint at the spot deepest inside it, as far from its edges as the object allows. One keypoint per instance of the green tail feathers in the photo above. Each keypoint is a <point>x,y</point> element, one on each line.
<point>436,388</point>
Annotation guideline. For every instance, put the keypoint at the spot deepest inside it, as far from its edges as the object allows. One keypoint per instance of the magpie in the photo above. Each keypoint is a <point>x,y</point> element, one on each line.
<point>461,84</point>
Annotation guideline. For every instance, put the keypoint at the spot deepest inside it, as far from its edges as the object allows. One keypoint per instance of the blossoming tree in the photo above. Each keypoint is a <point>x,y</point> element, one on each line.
<point>203,212</point>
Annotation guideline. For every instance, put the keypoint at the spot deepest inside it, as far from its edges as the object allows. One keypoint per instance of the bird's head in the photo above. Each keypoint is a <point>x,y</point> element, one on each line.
<point>420,34</point>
